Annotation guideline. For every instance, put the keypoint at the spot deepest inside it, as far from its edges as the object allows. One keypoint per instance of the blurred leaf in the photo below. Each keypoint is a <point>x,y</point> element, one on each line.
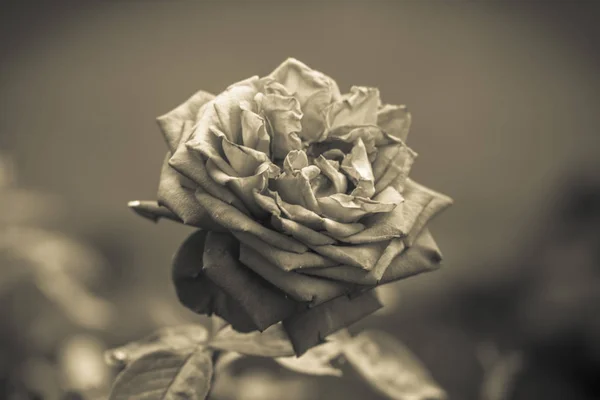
<point>272,342</point>
<point>390,367</point>
<point>225,360</point>
<point>316,361</point>
<point>170,338</point>
<point>166,374</point>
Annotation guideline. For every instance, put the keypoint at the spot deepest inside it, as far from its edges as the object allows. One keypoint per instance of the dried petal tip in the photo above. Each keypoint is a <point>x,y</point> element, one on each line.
<point>152,210</point>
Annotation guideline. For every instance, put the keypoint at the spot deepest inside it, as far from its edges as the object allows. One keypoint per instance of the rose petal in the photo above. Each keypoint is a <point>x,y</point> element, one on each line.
<point>423,256</point>
<point>359,107</point>
<point>385,226</point>
<point>295,188</point>
<point>171,123</point>
<point>363,256</point>
<point>283,114</point>
<point>283,259</point>
<point>294,161</point>
<point>421,205</point>
<point>358,168</point>
<point>346,208</point>
<point>300,287</point>
<point>192,166</point>
<point>234,220</point>
<point>314,123</point>
<point>354,275</point>
<point>300,232</point>
<point>309,328</point>
<point>254,131</point>
<point>340,230</point>
<point>243,187</point>
<point>263,303</point>
<point>181,201</point>
<point>394,120</point>
<point>302,81</point>
<point>393,166</point>
<point>327,167</point>
<point>228,110</point>
<point>198,293</point>
<point>244,160</point>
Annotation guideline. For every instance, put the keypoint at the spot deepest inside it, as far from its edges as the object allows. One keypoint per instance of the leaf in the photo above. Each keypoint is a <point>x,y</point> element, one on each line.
<point>273,342</point>
<point>316,361</point>
<point>391,368</point>
<point>166,375</point>
<point>170,338</point>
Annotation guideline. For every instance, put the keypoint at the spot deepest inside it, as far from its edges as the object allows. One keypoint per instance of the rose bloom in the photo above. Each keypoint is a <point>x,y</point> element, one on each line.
<point>302,198</point>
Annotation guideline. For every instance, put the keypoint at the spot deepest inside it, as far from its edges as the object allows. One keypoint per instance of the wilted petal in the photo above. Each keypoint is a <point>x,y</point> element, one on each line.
<point>244,187</point>
<point>393,166</point>
<point>254,132</point>
<point>363,256</point>
<point>197,291</point>
<point>180,200</point>
<point>358,276</point>
<point>283,114</point>
<point>421,205</point>
<point>359,107</point>
<point>300,287</point>
<point>385,226</point>
<point>234,220</point>
<point>242,159</point>
<point>294,185</point>
<point>228,110</point>
<point>346,208</point>
<point>423,256</point>
<point>171,123</point>
<point>309,328</point>
<point>314,119</point>
<point>286,260</point>
<point>328,168</point>
<point>302,81</point>
<point>358,168</point>
<point>341,230</point>
<point>300,232</point>
<point>394,120</point>
<point>191,165</point>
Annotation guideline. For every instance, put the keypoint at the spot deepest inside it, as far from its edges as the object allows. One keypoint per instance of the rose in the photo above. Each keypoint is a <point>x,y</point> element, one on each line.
<point>303,198</point>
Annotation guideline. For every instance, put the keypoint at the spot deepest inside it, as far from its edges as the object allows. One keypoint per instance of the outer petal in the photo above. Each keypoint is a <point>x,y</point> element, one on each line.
<point>354,275</point>
<point>285,260</point>
<point>359,107</point>
<point>234,220</point>
<point>309,328</point>
<point>283,114</point>
<point>363,256</point>
<point>392,165</point>
<point>171,123</point>
<point>358,168</point>
<point>180,200</point>
<point>243,187</point>
<point>397,262</point>
<point>254,132</point>
<point>421,205</point>
<point>302,81</point>
<point>195,288</point>
<point>384,226</point>
<point>394,120</point>
<point>300,287</point>
<point>349,209</point>
<point>423,256</point>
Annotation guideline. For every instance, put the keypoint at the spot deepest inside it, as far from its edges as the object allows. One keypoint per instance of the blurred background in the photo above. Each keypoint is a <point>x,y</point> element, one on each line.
<point>504,98</point>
